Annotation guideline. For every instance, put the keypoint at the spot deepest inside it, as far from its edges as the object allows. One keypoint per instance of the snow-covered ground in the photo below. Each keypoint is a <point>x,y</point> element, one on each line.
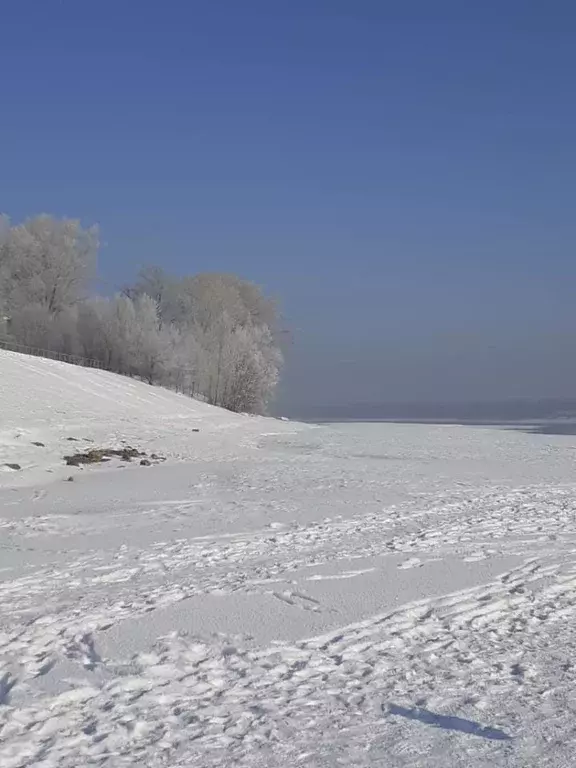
<point>67,409</point>
<point>275,594</point>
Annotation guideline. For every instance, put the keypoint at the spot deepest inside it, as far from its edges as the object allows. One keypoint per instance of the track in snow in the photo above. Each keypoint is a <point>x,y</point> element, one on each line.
<point>483,659</point>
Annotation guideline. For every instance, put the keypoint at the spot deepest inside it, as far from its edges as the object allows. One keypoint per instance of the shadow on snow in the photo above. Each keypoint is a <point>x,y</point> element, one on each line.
<point>449,722</point>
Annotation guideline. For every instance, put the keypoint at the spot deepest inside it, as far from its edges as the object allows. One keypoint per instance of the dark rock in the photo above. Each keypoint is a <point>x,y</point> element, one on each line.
<point>72,439</point>
<point>195,430</point>
<point>126,453</point>
<point>90,457</point>
<point>70,479</point>
<point>38,444</point>
<point>15,467</point>
<point>145,463</point>
<point>97,456</point>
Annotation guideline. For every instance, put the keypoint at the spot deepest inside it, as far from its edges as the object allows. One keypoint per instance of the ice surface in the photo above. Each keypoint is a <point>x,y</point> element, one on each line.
<point>275,594</point>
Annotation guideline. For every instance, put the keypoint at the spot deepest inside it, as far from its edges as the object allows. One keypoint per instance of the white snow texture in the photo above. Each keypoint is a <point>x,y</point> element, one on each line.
<point>276,594</point>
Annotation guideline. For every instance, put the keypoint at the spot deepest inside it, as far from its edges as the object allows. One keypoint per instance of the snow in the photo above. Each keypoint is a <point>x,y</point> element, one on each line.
<point>276,594</point>
<point>52,409</point>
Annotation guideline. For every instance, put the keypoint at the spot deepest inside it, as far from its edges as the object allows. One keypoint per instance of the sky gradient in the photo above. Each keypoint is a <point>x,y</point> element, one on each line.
<point>401,175</point>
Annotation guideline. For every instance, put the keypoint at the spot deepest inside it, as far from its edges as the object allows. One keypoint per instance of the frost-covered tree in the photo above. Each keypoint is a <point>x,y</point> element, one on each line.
<point>227,339</point>
<point>32,325</point>
<point>65,337</point>
<point>107,332</point>
<point>153,343</point>
<point>120,332</point>
<point>4,265</point>
<point>158,285</point>
<point>47,262</point>
<point>94,335</point>
<point>126,336</point>
<point>250,373</point>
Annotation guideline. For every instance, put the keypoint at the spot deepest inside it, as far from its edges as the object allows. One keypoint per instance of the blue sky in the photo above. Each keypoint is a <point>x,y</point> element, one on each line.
<point>400,174</point>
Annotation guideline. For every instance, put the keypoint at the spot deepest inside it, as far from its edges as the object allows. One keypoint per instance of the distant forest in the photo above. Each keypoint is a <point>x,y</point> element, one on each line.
<point>211,335</point>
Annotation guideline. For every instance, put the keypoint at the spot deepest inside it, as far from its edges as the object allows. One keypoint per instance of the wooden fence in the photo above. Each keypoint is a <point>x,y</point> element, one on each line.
<point>24,349</point>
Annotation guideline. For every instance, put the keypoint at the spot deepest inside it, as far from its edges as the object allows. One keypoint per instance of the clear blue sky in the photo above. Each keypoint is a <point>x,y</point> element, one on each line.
<point>400,174</point>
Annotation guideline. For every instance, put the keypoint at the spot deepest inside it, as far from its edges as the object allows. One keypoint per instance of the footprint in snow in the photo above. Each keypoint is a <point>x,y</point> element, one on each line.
<point>298,600</point>
<point>413,562</point>
<point>475,557</point>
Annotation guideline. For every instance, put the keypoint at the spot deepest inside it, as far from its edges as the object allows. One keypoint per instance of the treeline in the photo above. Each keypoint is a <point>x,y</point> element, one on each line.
<point>210,335</point>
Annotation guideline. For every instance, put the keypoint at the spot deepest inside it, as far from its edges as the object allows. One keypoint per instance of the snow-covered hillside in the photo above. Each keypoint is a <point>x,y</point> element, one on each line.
<point>276,595</point>
<point>67,409</point>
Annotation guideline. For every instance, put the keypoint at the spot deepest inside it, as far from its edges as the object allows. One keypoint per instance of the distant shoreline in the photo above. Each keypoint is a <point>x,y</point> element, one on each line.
<point>551,426</point>
<point>440,422</point>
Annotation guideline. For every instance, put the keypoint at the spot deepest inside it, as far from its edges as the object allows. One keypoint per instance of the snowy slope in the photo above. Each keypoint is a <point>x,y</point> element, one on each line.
<point>275,595</point>
<point>68,408</point>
